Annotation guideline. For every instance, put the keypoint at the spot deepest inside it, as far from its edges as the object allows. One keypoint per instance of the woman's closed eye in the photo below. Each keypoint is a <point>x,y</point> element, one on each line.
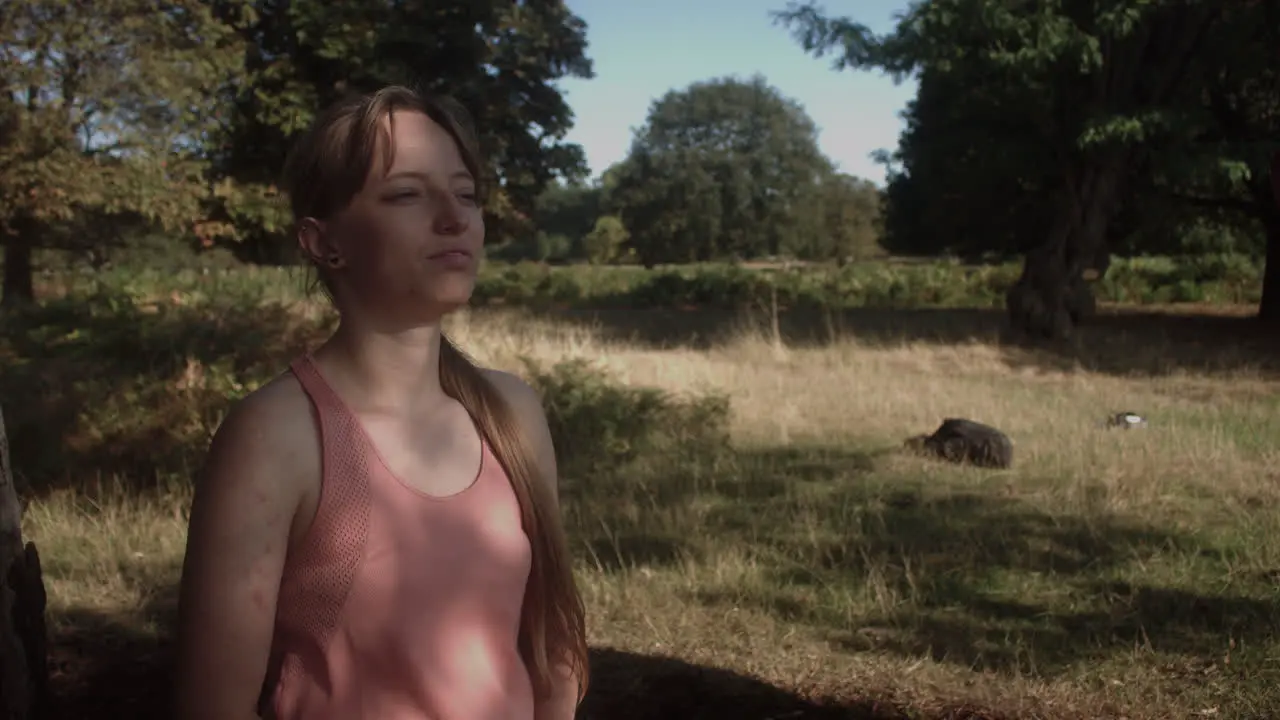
<point>407,195</point>
<point>403,194</point>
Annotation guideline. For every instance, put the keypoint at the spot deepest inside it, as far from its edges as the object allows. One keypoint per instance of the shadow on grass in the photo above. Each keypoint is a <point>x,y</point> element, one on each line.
<point>1011,636</point>
<point>612,552</point>
<point>1190,630</point>
<point>1116,341</point>
<point>105,666</point>
<point>613,523</point>
<point>632,686</point>
<point>981,580</point>
<point>100,387</point>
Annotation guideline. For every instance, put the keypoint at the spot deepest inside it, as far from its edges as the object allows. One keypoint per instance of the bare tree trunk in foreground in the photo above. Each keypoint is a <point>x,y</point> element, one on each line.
<point>24,672</point>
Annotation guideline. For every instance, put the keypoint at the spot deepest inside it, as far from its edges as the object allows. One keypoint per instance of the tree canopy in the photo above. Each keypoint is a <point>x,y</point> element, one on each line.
<point>104,116</point>
<point>1054,129</point>
<point>1063,133</point>
<point>499,58</point>
<point>731,168</point>
<point>115,116</point>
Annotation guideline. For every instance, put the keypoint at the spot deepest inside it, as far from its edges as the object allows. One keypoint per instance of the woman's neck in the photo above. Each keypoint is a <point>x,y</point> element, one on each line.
<point>391,371</point>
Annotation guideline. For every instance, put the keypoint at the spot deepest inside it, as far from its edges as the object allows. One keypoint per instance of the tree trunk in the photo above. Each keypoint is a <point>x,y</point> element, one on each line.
<point>18,272</point>
<point>24,674</point>
<point>1269,307</point>
<point>1052,296</point>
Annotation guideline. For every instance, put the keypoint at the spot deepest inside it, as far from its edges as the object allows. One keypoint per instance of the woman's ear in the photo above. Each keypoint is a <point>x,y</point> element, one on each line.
<point>316,244</point>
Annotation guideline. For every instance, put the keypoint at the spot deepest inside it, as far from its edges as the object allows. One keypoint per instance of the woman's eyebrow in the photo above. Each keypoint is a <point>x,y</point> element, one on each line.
<point>420,175</point>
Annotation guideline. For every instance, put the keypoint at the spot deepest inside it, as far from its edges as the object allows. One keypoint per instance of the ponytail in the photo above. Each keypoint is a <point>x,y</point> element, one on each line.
<point>552,623</point>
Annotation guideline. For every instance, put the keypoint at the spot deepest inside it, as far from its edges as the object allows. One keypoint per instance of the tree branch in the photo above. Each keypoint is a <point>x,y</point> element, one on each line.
<point>1248,207</point>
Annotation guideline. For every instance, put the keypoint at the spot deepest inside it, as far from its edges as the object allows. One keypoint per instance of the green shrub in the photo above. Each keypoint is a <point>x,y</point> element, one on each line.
<point>101,386</point>
<point>600,425</point>
<point>1213,278</point>
<point>605,241</point>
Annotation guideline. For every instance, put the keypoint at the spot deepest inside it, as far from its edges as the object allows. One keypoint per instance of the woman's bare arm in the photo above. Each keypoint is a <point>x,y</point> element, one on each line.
<point>244,507</point>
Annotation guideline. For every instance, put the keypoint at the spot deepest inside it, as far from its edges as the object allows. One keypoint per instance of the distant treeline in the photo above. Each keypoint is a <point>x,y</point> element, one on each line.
<point>890,282</point>
<point>1062,135</point>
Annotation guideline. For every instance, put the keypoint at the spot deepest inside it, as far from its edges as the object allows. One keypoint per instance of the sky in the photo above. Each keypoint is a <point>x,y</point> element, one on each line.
<point>643,48</point>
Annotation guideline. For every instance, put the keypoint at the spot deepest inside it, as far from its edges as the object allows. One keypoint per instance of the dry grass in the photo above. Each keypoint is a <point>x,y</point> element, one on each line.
<point>1109,574</point>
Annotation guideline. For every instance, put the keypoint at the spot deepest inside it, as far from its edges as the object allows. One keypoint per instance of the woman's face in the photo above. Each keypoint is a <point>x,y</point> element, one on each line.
<point>411,239</point>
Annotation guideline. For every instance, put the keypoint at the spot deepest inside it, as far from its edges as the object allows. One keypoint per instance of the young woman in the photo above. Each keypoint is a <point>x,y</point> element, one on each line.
<point>376,534</point>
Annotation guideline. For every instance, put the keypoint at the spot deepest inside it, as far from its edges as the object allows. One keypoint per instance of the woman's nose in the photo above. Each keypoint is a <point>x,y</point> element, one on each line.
<point>450,218</point>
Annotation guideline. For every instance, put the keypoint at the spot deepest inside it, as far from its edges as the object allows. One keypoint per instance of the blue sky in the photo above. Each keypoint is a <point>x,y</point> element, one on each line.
<point>643,48</point>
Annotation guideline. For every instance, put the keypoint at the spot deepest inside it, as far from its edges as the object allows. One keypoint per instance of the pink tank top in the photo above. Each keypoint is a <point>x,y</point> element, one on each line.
<point>400,605</point>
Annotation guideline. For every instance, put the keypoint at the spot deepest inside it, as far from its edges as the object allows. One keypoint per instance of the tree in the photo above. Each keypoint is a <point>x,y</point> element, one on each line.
<point>846,211</point>
<point>1269,306</point>
<point>1229,164</point>
<point>605,241</point>
<point>499,58</point>
<point>24,692</point>
<point>103,110</point>
<point>570,210</point>
<point>721,168</point>
<point>971,177</point>
<point>671,205</point>
<point>563,215</point>
<point>1099,83</point>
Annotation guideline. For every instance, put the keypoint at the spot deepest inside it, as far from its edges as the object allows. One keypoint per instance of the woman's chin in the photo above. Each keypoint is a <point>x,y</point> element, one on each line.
<point>456,294</point>
<point>443,303</point>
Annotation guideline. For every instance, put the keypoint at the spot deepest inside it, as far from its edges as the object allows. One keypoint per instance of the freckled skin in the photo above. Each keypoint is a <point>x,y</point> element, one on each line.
<point>242,522</point>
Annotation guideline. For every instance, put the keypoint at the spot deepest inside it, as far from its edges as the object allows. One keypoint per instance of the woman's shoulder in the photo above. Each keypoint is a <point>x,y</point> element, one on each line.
<point>279,405</point>
<point>526,404</point>
<point>272,427</point>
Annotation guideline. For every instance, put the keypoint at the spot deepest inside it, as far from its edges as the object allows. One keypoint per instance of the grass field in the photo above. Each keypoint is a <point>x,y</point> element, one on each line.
<point>751,541</point>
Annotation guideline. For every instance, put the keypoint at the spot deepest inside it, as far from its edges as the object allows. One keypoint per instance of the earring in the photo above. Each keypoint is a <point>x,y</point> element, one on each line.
<point>335,261</point>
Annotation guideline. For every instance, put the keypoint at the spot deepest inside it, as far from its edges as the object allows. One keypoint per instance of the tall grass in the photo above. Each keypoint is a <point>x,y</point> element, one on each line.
<point>739,500</point>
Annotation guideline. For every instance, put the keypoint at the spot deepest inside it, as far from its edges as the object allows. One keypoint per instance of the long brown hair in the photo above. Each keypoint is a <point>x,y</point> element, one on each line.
<point>327,167</point>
